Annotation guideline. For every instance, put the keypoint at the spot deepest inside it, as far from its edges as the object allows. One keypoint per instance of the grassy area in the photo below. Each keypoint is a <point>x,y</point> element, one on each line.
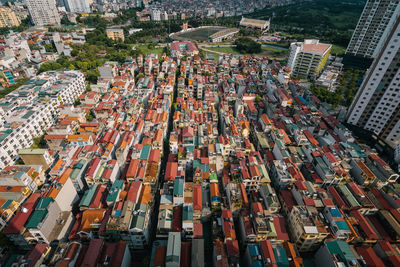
<point>216,56</point>
<point>148,49</point>
<point>342,14</point>
<point>330,21</point>
<point>266,51</point>
<point>199,34</point>
<point>227,50</point>
<point>338,50</point>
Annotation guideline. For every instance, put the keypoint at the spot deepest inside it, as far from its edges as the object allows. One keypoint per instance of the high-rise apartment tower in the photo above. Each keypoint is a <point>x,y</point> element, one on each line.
<point>43,12</point>
<point>376,106</point>
<point>374,25</point>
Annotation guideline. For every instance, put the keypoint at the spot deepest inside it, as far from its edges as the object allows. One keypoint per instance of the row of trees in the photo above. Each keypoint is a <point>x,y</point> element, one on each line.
<point>345,92</point>
<point>349,83</point>
<point>246,45</point>
<point>325,95</point>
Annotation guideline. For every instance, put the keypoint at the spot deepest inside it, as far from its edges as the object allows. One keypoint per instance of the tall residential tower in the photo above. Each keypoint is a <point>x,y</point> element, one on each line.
<point>308,58</point>
<point>374,25</point>
<point>376,106</point>
<point>43,12</point>
<point>77,6</point>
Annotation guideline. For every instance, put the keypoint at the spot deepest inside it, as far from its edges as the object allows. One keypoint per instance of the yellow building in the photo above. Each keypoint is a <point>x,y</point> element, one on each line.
<point>306,228</point>
<point>8,18</point>
<point>308,58</point>
<point>36,157</point>
<point>115,34</point>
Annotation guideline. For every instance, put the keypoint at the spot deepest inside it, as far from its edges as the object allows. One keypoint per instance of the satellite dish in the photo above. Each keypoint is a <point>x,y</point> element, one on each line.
<point>25,210</point>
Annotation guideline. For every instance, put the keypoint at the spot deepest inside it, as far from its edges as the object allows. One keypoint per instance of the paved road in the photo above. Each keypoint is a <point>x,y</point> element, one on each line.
<point>275,47</point>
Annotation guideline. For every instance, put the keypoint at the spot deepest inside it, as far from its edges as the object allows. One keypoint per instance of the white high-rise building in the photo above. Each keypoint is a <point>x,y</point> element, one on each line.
<point>77,6</point>
<point>308,58</point>
<point>43,12</point>
<point>374,25</point>
<point>155,14</point>
<point>28,115</point>
<point>376,106</point>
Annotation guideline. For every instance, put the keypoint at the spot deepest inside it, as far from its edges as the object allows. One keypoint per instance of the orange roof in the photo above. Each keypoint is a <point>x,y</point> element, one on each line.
<point>65,176</point>
<point>146,194</point>
<point>91,216</point>
<point>78,137</point>
<point>214,189</point>
<point>11,188</point>
<point>58,164</point>
<point>53,193</point>
<point>319,48</point>
<point>158,136</point>
<point>54,136</point>
<point>266,120</point>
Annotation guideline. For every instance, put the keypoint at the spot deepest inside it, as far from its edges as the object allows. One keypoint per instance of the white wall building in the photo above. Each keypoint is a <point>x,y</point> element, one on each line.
<point>77,6</point>
<point>43,12</point>
<point>308,58</point>
<point>376,105</point>
<point>35,109</point>
<point>373,28</point>
<point>155,14</point>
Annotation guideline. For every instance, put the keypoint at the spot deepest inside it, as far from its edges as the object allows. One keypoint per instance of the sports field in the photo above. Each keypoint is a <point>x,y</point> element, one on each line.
<point>200,34</point>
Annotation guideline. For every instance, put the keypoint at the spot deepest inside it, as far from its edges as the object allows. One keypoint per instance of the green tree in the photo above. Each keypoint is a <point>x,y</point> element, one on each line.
<point>247,46</point>
<point>77,102</point>
<point>39,142</point>
<point>50,48</point>
<point>74,52</point>
<point>89,116</point>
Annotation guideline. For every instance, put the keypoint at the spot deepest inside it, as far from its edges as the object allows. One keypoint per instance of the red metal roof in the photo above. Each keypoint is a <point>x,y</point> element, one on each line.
<point>370,256</point>
<point>338,199</point>
<point>134,191</point>
<point>186,253</point>
<point>288,199</point>
<point>171,171</point>
<point>19,220</point>
<point>390,252</point>
<point>232,247</point>
<point>367,229</point>
<point>197,230</point>
<point>268,253</point>
<point>93,252</point>
<point>34,255</point>
<point>197,198</point>
<point>280,228</point>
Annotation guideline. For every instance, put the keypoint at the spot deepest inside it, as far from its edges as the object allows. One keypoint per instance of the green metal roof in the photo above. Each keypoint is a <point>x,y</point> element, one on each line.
<point>213,177</point>
<point>40,212</point>
<point>281,257</point>
<point>187,214</point>
<point>139,220</point>
<point>178,186</point>
<point>99,173</point>
<point>114,191</point>
<point>262,141</point>
<point>196,164</point>
<point>348,195</point>
<point>5,134</point>
<point>88,196</point>
<point>145,152</point>
<point>205,168</point>
<point>342,225</point>
<point>76,169</point>
<point>6,204</point>
<point>341,248</point>
<point>28,114</point>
